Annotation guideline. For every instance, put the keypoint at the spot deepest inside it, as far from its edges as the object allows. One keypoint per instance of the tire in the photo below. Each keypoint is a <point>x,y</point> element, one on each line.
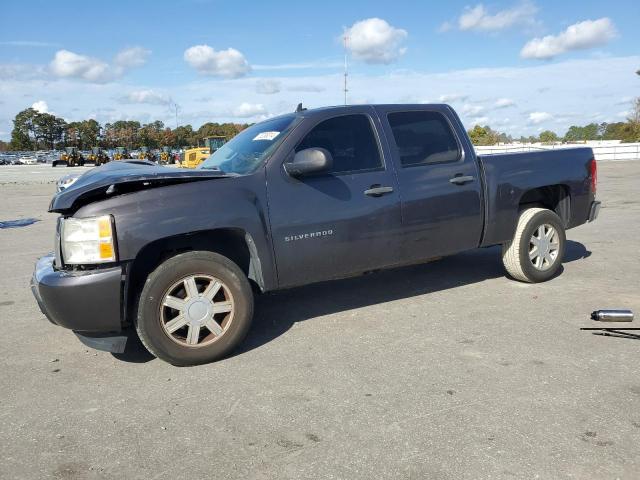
<point>519,255</point>
<point>169,283</point>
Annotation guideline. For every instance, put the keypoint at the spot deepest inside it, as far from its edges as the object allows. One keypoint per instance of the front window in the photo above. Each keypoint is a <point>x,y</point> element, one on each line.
<point>349,139</point>
<point>248,150</point>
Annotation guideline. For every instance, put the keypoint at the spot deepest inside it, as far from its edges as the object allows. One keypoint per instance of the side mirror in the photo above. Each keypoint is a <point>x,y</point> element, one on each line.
<point>309,161</point>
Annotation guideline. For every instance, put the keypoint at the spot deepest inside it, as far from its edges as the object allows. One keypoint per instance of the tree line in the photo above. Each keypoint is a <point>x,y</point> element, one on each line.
<point>33,130</point>
<point>628,132</point>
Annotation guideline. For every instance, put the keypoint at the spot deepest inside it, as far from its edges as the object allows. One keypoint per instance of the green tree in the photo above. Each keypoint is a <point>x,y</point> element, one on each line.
<point>150,135</point>
<point>631,132</point>
<point>184,136</point>
<point>575,133</point>
<point>49,130</point>
<point>591,131</point>
<point>614,131</point>
<point>23,135</point>
<point>89,133</point>
<point>483,135</point>
<point>125,133</point>
<point>168,138</point>
<point>72,134</point>
<point>548,137</point>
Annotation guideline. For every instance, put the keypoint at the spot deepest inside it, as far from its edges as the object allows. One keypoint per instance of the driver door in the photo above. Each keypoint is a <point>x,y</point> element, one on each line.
<point>334,224</point>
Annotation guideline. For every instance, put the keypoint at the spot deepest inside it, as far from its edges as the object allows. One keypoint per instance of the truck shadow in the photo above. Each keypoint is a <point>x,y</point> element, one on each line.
<point>277,312</point>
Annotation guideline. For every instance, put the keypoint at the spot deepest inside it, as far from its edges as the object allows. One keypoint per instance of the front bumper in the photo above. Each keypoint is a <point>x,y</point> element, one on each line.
<point>88,301</point>
<point>594,210</point>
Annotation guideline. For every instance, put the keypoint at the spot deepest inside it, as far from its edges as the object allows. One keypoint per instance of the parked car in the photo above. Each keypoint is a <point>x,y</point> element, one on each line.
<point>28,160</point>
<point>301,198</point>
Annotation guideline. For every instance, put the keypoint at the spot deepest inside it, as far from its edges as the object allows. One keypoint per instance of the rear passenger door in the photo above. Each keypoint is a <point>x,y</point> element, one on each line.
<point>334,224</point>
<point>440,185</point>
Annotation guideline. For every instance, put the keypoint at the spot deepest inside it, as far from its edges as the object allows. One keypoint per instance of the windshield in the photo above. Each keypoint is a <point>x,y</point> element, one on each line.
<point>248,150</point>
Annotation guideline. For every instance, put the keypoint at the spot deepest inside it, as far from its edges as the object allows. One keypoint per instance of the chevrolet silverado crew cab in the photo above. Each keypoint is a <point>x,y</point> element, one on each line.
<point>305,197</point>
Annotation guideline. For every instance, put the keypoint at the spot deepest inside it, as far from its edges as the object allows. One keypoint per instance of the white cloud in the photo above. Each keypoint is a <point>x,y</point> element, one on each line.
<point>131,57</point>
<point>229,63</point>
<point>470,109</point>
<point>268,87</point>
<point>445,27</point>
<point>67,64</point>
<point>317,64</point>
<point>310,88</point>
<point>246,110</point>
<point>579,36</point>
<point>478,17</point>
<point>480,120</point>
<point>504,103</point>
<point>539,117</point>
<point>20,71</point>
<point>41,106</point>
<point>375,41</point>
<point>149,96</point>
<point>624,101</point>
<point>568,82</point>
<point>452,97</point>
<point>28,43</point>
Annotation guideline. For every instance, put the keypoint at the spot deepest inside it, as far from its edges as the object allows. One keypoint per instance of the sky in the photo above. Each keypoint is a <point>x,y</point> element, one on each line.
<point>519,66</point>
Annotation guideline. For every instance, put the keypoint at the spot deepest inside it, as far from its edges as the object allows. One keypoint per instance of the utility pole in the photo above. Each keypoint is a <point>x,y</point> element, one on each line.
<point>175,107</point>
<point>346,71</point>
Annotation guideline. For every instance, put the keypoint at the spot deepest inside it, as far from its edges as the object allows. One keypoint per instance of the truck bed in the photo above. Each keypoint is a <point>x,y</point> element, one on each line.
<point>508,177</point>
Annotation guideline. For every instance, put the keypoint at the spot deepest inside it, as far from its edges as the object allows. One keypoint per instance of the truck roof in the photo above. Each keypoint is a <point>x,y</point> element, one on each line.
<point>347,108</point>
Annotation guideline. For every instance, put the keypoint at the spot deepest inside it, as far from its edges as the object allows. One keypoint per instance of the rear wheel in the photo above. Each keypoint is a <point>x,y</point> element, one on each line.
<point>536,251</point>
<point>194,308</point>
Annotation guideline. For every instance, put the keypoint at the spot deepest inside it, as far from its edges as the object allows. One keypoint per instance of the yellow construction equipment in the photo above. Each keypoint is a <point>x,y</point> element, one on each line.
<point>97,156</point>
<point>196,155</point>
<point>146,154</point>
<point>120,153</point>
<point>71,157</point>
<point>165,155</point>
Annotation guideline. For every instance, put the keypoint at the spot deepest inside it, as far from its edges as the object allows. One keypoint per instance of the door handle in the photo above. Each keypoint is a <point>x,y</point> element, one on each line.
<point>461,179</point>
<point>378,190</point>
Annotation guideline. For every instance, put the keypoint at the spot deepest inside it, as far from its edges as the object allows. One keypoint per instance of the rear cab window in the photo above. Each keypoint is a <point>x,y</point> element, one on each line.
<point>351,141</point>
<point>423,138</point>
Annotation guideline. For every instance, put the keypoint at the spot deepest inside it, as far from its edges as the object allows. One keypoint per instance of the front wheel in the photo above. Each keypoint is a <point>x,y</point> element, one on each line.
<point>194,308</point>
<point>536,251</point>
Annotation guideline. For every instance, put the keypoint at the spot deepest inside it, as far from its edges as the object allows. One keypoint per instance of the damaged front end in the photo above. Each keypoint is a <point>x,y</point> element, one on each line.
<point>117,178</point>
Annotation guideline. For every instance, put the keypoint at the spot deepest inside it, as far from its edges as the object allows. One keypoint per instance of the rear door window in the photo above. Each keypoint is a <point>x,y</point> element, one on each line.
<point>350,140</point>
<point>423,138</point>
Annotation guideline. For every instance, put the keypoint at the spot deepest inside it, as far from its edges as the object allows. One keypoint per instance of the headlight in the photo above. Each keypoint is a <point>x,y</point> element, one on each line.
<point>88,240</point>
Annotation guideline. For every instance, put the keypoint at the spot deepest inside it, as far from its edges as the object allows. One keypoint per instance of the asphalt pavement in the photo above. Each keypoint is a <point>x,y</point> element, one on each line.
<point>447,370</point>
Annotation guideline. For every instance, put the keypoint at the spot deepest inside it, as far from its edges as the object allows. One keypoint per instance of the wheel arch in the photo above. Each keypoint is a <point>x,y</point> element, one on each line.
<point>556,198</point>
<point>233,243</point>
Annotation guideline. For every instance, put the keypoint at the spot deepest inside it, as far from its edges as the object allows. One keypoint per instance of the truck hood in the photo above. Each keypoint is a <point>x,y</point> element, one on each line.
<point>119,177</point>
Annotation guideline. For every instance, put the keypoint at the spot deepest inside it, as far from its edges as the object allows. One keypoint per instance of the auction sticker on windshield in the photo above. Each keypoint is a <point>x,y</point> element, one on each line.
<point>266,136</point>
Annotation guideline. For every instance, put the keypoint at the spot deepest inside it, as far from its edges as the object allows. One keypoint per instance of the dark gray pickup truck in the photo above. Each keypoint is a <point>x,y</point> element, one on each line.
<point>300,198</point>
